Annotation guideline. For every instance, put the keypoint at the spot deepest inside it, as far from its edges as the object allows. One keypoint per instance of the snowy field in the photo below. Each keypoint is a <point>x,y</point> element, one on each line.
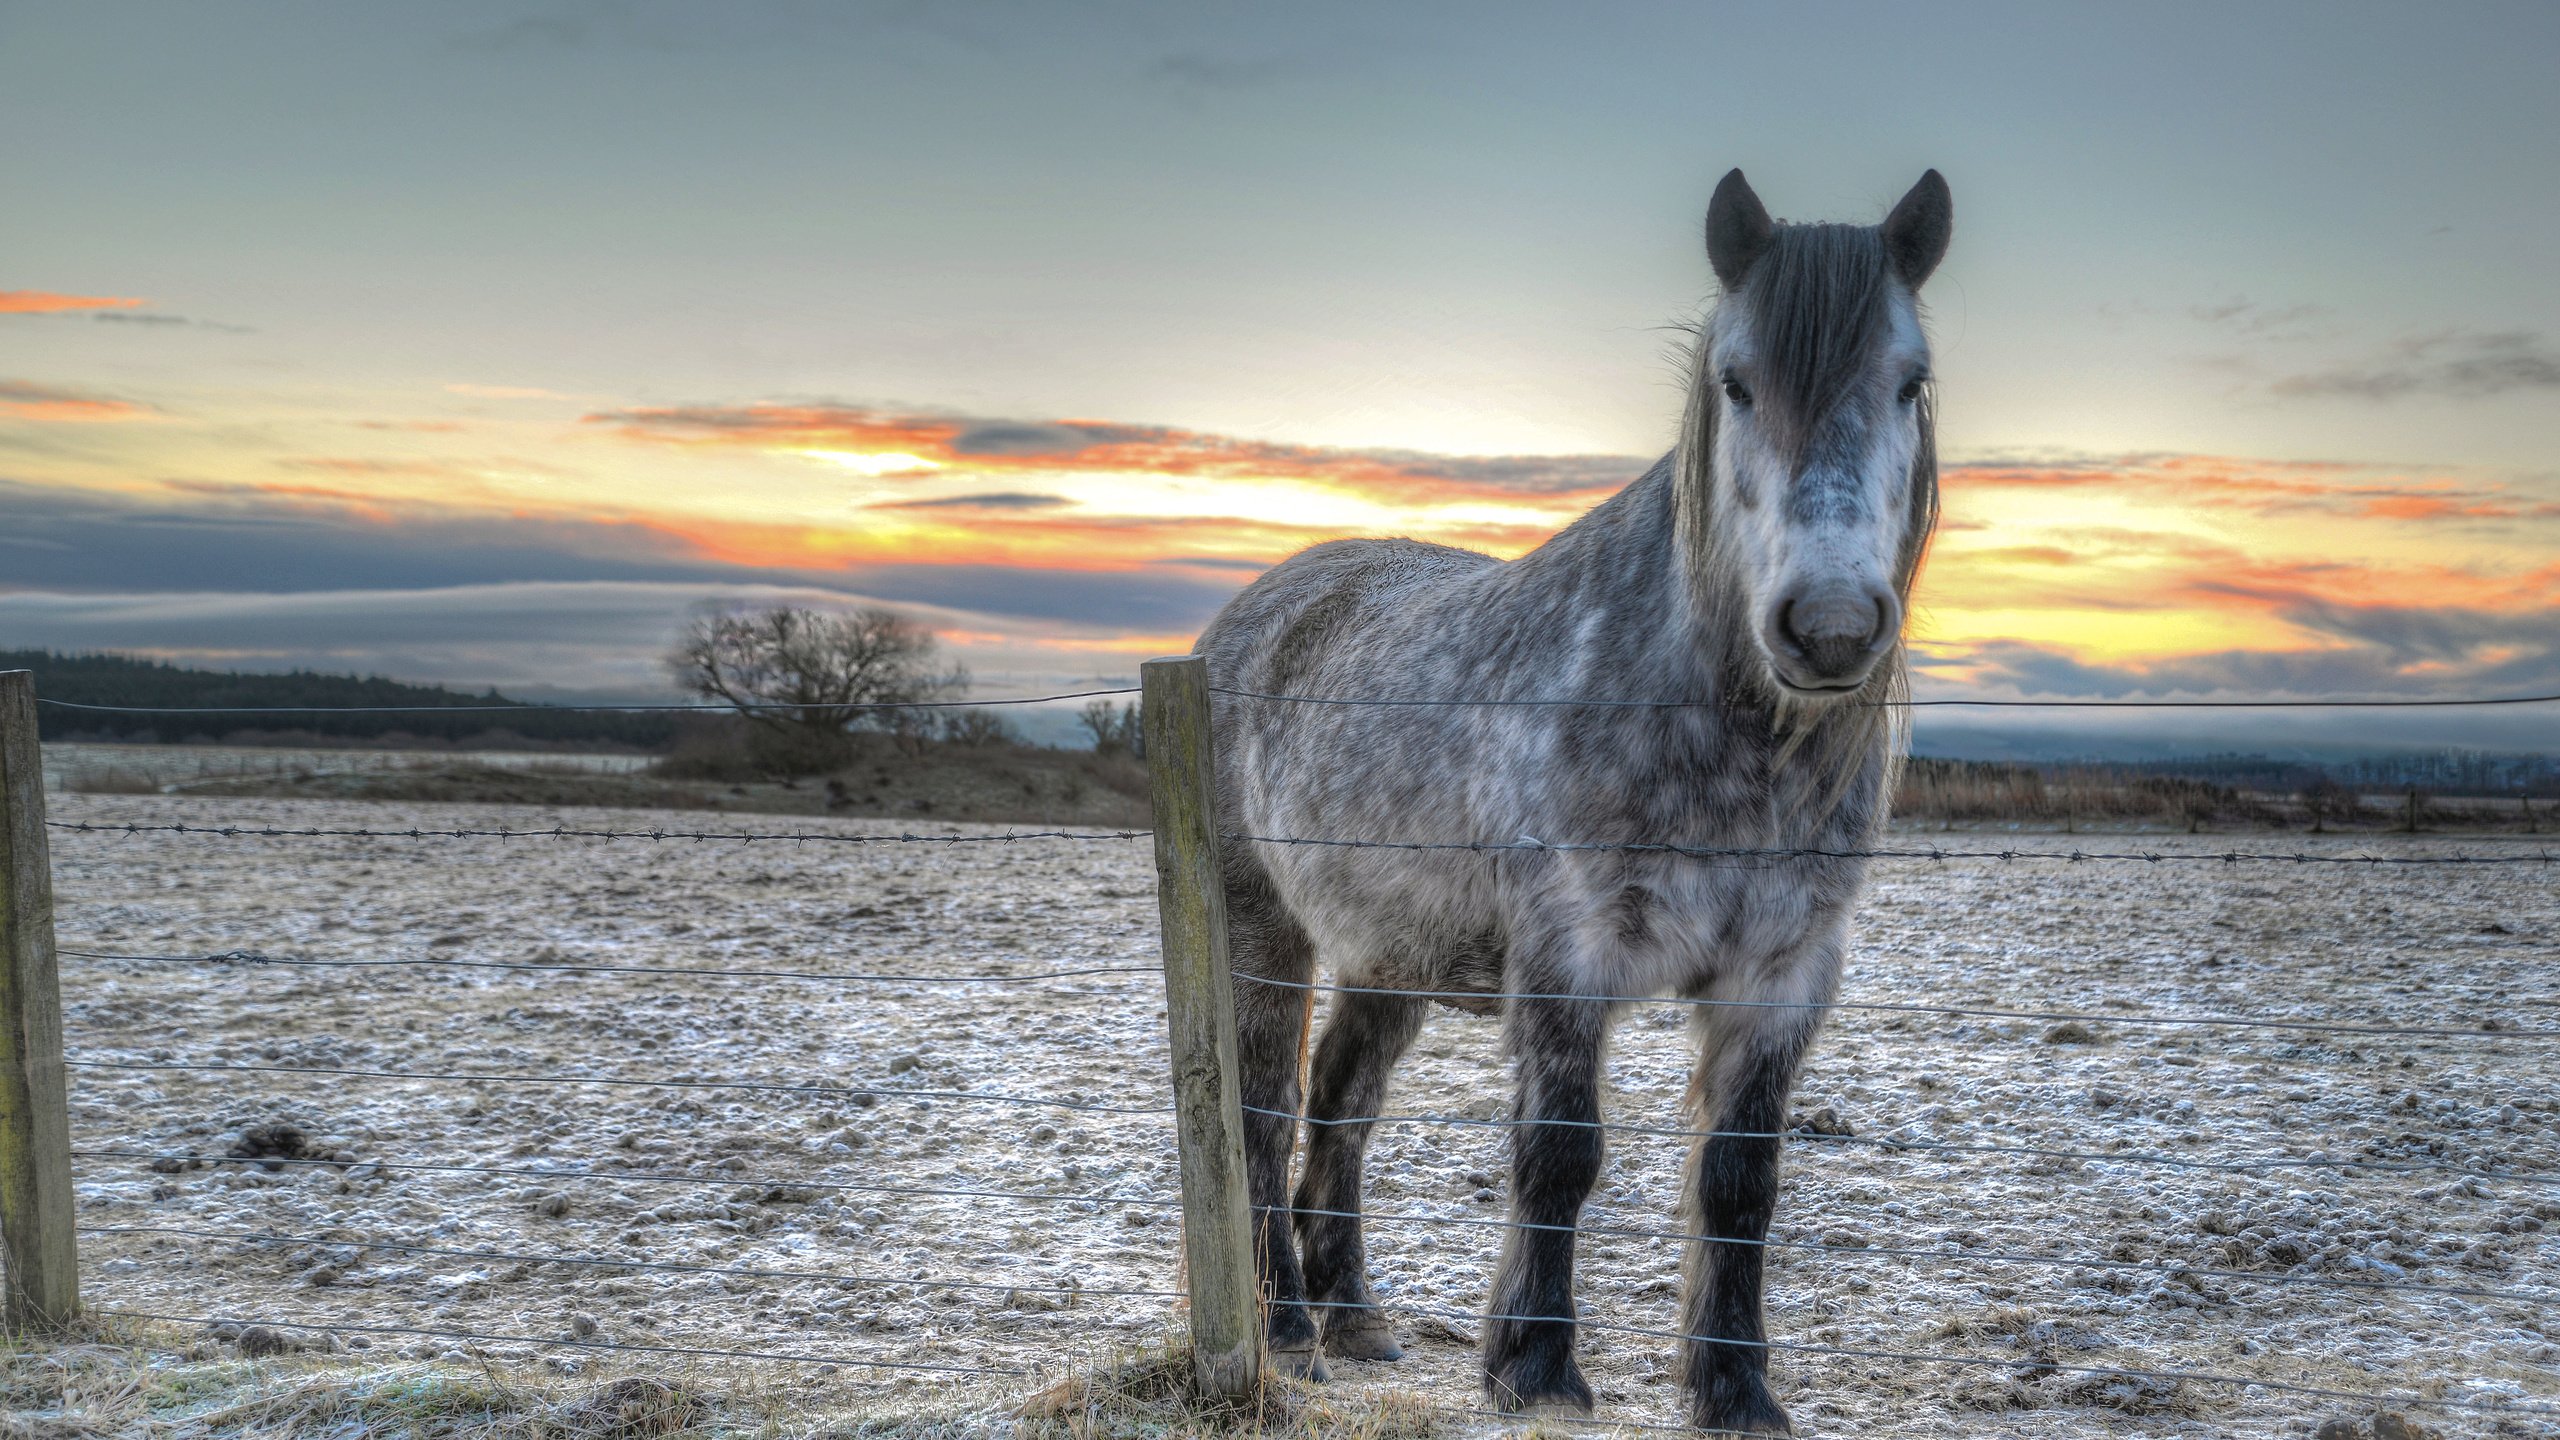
<point>822,1192</point>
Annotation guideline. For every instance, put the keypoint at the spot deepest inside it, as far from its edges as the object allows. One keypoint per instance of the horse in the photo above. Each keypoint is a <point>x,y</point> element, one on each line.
<point>1709,660</point>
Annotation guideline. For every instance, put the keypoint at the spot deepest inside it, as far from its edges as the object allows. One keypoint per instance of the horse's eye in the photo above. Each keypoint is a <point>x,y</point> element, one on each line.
<point>1911,389</point>
<point>1735,391</point>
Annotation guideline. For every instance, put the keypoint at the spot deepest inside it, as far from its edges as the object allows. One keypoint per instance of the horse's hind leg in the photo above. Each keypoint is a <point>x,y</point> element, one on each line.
<point>1362,1042</point>
<point>1556,1150</point>
<point>1265,943</point>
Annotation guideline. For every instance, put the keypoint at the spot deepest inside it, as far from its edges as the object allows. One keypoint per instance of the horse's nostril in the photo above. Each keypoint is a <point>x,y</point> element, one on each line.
<point>1788,639</point>
<point>1882,635</point>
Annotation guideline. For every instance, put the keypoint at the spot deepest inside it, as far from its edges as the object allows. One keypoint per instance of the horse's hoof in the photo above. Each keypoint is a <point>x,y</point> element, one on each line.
<point>1366,1338</point>
<point>1743,1404</point>
<point>1300,1362</point>
<point>1562,1396</point>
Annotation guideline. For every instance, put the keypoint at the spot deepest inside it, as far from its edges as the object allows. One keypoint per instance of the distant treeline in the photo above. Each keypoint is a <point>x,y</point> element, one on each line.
<point>125,680</point>
<point>2445,772</point>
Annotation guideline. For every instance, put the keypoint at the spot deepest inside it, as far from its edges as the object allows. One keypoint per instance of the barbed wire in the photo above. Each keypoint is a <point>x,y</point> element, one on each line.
<point>2496,1031</point>
<point>652,1177</point>
<point>2280,1278</point>
<point>2492,1028</point>
<point>343,1327</point>
<point>1889,1142</point>
<point>607,1262</point>
<point>2036,1363</point>
<point>1565,702</point>
<point>1594,703</point>
<point>1907,1252</point>
<point>260,959</point>
<point>563,832</point>
<point>2542,855</point>
<point>721,707</point>
<point>758,1086</point>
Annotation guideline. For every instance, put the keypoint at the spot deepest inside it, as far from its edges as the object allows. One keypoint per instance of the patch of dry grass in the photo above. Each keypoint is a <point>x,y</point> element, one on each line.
<point>157,1382</point>
<point>1149,1396</point>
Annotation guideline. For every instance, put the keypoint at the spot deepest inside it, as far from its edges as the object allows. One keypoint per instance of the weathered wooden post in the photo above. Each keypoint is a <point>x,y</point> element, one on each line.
<point>43,1282</point>
<point>1200,1014</point>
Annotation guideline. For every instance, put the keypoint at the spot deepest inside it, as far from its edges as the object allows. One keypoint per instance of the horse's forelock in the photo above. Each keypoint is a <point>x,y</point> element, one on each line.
<point>1818,303</point>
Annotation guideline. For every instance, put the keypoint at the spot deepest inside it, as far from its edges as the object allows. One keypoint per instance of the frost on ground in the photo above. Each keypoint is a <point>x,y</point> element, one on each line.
<point>318,1197</point>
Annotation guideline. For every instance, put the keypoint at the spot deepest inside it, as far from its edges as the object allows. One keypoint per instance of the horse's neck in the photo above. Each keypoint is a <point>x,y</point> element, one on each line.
<point>1623,562</point>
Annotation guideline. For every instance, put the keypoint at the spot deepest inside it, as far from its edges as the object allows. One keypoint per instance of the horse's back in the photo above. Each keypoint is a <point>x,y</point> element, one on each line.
<point>1318,613</point>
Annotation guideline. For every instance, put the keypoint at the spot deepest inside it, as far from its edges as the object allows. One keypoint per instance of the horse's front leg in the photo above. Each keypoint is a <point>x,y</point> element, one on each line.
<point>1746,1069</point>
<point>1556,1147</point>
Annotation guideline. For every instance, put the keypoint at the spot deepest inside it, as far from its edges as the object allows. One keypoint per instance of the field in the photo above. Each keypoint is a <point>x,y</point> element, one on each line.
<point>726,1179</point>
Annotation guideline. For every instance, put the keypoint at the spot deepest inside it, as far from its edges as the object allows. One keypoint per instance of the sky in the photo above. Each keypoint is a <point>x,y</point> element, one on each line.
<point>476,343</point>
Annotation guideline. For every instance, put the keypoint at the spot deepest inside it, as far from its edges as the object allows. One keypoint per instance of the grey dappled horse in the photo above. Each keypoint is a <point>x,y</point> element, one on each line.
<point>1760,570</point>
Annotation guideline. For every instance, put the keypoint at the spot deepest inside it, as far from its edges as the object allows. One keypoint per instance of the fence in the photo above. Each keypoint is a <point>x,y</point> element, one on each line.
<point>37,1152</point>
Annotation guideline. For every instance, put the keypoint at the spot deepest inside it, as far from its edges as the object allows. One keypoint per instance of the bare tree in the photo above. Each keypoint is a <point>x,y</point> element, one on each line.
<point>1114,728</point>
<point>805,677</point>
<point>2324,800</point>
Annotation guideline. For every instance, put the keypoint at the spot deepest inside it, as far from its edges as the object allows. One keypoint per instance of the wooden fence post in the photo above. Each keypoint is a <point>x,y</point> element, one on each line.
<point>43,1283</point>
<point>1200,1015</point>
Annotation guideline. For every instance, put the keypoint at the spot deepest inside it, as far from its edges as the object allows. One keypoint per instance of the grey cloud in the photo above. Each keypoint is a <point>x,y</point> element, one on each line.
<point>2250,320</point>
<point>241,542</point>
<point>2458,364</point>
<point>998,500</point>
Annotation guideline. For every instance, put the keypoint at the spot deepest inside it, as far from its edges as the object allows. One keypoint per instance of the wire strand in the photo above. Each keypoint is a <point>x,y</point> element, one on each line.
<point>255,958</point>
<point>2541,856</point>
<point>343,1327</point>
<point>2500,1032</point>
<point>652,1177</point>
<point>1466,1221</point>
<point>1850,1352</point>
<point>1593,703</point>
<point>562,832</point>
<point>533,709</point>
<point>758,1086</point>
<point>1809,1137</point>
<point>1895,1252</point>
<point>606,1262</point>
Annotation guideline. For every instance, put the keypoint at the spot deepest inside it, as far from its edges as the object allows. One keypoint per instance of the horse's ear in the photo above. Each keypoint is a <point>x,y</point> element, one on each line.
<point>1916,233</point>
<point>1738,229</point>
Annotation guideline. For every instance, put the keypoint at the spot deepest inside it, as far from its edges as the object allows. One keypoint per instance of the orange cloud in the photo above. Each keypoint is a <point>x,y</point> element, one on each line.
<point>30,401</point>
<point>927,443</point>
<point>46,302</point>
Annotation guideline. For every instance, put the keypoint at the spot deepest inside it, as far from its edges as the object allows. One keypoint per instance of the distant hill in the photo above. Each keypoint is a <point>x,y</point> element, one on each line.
<point>126,680</point>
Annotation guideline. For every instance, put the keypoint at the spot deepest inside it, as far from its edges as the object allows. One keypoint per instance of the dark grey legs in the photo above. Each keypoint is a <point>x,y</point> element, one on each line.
<point>1555,1160</point>
<point>1749,1070</point>
<point>1362,1042</point>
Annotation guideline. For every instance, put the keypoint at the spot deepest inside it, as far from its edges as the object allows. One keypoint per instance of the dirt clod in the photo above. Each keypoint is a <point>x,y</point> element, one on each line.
<point>271,1145</point>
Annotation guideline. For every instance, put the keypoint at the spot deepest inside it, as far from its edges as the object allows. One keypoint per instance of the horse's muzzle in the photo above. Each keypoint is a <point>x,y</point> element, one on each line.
<point>1830,637</point>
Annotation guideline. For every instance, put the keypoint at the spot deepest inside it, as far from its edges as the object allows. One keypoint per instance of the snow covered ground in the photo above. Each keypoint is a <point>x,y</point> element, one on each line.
<point>822,1191</point>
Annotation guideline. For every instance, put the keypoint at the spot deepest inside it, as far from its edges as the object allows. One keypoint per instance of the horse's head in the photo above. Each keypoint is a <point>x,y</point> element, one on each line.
<point>1809,461</point>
